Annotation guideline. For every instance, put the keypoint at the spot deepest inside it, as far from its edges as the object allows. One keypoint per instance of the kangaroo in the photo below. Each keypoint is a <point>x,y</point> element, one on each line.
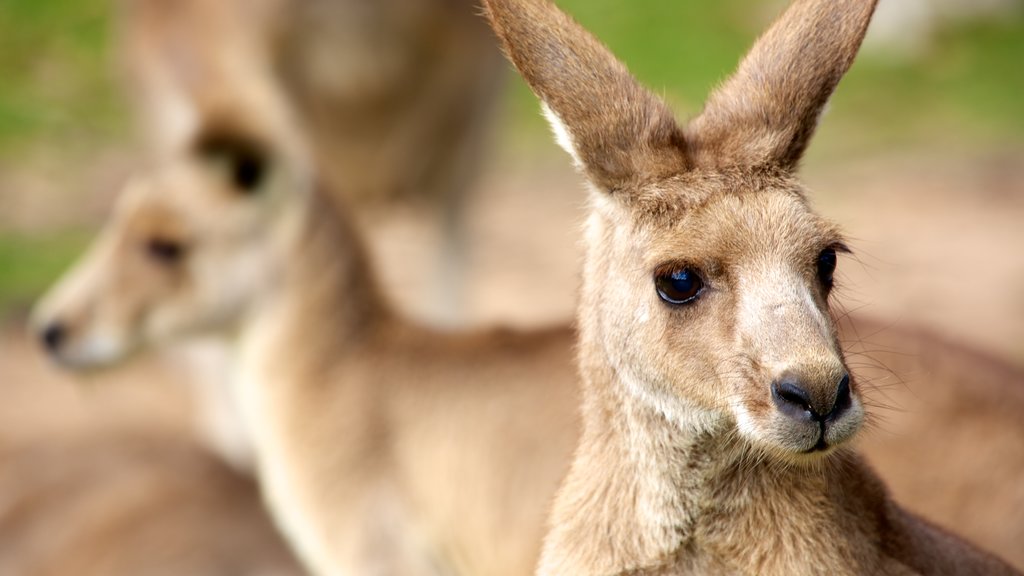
<point>394,98</point>
<point>717,405</point>
<point>381,446</point>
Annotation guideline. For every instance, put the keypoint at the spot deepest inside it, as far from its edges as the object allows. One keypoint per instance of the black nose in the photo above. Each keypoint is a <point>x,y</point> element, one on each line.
<point>53,336</point>
<point>795,401</point>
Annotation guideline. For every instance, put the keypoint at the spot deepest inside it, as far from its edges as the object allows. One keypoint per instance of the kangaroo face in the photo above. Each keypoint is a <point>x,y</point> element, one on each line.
<point>188,249</point>
<point>717,307</point>
<point>707,275</point>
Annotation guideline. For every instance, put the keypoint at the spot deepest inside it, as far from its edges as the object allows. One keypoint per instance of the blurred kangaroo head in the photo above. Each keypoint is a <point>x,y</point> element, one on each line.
<point>707,279</point>
<point>190,247</point>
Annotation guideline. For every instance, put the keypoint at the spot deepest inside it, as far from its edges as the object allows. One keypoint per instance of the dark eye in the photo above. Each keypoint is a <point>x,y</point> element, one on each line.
<point>165,251</point>
<point>248,172</point>
<point>826,267</point>
<point>679,286</point>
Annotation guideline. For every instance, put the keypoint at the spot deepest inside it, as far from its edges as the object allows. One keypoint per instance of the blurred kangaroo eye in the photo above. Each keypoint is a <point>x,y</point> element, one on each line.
<point>164,251</point>
<point>248,172</point>
<point>679,286</point>
<point>826,266</point>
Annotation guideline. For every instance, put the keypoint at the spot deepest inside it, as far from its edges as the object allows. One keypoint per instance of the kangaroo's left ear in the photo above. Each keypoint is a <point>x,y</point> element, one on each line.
<point>617,131</point>
<point>766,113</point>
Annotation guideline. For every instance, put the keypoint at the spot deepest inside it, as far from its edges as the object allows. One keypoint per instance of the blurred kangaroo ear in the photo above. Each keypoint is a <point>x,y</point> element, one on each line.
<point>617,132</point>
<point>244,157</point>
<point>767,111</point>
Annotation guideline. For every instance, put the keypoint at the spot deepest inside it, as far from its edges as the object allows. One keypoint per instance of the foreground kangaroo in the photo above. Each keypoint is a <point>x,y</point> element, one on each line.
<point>717,406</point>
<point>381,447</point>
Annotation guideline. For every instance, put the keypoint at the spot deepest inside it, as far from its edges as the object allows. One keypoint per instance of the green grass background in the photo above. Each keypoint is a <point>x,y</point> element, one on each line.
<point>59,93</point>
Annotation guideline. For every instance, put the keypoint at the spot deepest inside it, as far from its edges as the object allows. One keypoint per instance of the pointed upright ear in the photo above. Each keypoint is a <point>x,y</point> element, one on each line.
<point>617,132</point>
<point>767,111</point>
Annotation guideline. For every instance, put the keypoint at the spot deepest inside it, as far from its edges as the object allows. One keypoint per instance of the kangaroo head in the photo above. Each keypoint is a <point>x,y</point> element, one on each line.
<point>190,246</point>
<point>707,279</point>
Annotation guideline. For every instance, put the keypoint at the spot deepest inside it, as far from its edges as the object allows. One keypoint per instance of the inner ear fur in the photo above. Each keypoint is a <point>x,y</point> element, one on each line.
<point>766,113</point>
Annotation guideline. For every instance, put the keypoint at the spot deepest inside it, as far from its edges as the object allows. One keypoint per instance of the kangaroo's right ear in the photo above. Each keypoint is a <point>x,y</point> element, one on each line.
<point>618,132</point>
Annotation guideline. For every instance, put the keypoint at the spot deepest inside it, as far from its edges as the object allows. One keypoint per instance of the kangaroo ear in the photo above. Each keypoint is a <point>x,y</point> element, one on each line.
<point>617,132</point>
<point>767,111</point>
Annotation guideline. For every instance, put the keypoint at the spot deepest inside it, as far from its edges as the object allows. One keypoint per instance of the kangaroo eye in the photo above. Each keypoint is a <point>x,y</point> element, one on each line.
<point>165,251</point>
<point>248,172</point>
<point>679,286</point>
<point>826,267</point>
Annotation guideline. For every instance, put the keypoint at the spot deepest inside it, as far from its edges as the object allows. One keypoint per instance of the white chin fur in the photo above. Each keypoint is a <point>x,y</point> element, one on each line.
<point>94,351</point>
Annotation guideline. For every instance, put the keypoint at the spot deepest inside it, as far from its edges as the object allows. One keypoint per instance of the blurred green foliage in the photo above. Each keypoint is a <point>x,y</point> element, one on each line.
<point>56,78</point>
<point>30,263</point>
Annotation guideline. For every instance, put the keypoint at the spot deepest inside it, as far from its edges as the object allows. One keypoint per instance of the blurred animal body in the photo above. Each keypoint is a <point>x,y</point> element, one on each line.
<point>380,445</point>
<point>717,401</point>
<point>392,98</point>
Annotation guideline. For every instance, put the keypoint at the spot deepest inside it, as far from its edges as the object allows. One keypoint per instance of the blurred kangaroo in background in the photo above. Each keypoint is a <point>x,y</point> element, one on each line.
<point>380,444</point>
<point>392,98</point>
<point>395,97</point>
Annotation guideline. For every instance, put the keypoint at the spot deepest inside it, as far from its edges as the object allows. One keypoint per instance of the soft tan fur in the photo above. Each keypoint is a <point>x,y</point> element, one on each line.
<point>380,445</point>
<point>685,465</point>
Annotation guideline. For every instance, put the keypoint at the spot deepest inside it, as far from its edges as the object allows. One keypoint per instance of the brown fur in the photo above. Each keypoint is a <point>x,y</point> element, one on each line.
<point>685,466</point>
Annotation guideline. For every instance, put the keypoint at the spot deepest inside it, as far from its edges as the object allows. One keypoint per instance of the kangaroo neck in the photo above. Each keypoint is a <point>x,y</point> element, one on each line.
<point>678,493</point>
<point>327,299</point>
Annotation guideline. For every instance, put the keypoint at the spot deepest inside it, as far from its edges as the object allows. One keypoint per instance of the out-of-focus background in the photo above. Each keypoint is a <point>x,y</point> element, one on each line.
<point>920,158</point>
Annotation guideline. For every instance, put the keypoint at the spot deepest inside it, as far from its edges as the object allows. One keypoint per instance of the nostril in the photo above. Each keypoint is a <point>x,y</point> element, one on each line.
<point>792,400</point>
<point>53,336</point>
<point>843,399</point>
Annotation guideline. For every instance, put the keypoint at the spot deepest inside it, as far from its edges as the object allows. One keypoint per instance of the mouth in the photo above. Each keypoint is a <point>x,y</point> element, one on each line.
<point>87,359</point>
<point>821,445</point>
